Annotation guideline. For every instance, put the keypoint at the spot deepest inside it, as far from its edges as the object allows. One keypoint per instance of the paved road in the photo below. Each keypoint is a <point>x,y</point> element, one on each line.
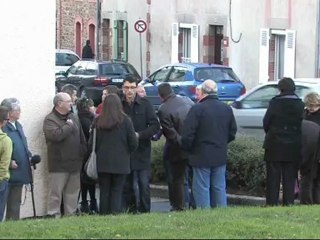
<point>160,205</point>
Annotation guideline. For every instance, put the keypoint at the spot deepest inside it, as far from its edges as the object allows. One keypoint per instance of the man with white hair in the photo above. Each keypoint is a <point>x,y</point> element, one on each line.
<point>66,150</point>
<point>209,127</point>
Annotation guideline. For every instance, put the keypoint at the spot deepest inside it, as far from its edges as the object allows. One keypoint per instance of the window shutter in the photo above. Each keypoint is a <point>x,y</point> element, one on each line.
<point>289,54</point>
<point>115,40</point>
<point>264,55</point>
<point>195,43</point>
<point>125,41</point>
<point>174,42</point>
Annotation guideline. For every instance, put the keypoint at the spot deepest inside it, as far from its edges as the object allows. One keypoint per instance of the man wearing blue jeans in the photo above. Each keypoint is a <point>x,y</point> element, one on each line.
<point>207,130</point>
<point>5,159</point>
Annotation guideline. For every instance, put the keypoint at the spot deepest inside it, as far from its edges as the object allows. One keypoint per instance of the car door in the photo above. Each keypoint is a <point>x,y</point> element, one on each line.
<point>152,82</point>
<point>76,73</point>
<point>176,79</point>
<point>250,110</point>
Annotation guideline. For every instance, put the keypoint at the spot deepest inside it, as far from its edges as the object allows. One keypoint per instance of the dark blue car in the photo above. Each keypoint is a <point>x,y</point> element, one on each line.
<point>185,77</point>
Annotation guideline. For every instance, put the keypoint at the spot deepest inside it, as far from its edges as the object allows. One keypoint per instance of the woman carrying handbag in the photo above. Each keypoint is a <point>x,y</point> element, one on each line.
<point>115,141</point>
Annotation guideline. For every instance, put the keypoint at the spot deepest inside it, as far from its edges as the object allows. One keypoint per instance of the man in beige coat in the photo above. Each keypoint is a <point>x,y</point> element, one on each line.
<point>66,150</point>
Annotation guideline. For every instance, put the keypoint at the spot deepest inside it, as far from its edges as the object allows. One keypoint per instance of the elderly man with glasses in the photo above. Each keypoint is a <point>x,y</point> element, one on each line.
<point>66,149</point>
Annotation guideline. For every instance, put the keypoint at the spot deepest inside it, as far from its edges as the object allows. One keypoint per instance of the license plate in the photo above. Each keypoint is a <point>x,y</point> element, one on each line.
<point>117,80</point>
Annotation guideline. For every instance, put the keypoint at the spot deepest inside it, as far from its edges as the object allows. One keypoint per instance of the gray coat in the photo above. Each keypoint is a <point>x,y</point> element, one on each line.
<point>65,142</point>
<point>172,113</point>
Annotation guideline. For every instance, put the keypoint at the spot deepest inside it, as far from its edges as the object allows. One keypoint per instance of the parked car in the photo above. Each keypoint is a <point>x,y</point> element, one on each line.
<point>185,77</point>
<point>249,109</point>
<point>91,76</point>
<point>64,60</point>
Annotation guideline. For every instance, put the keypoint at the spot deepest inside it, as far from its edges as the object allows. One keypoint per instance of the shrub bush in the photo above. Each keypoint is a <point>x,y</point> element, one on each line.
<point>157,169</point>
<point>245,166</point>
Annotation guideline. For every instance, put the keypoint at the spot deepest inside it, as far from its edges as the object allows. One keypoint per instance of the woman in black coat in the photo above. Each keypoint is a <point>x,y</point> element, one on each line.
<point>86,116</point>
<point>310,167</point>
<point>282,125</point>
<point>116,140</point>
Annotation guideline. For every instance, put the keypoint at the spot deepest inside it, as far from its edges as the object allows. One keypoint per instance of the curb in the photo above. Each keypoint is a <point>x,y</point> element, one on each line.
<point>161,191</point>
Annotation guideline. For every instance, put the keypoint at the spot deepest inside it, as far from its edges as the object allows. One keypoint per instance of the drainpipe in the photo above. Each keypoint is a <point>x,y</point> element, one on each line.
<point>60,23</point>
<point>317,67</point>
<point>98,29</point>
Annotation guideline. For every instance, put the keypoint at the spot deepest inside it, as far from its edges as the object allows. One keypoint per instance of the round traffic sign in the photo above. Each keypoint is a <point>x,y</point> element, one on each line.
<point>140,26</point>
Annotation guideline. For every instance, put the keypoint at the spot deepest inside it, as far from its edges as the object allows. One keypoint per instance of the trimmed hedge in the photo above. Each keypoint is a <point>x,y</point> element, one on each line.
<point>245,167</point>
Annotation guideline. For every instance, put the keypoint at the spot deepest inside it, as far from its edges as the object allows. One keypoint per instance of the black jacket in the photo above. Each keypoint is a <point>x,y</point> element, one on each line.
<point>282,125</point>
<point>113,148</point>
<point>172,113</point>
<point>208,128</point>
<point>310,147</point>
<point>86,118</point>
<point>87,52</point>
<point>145,123</point>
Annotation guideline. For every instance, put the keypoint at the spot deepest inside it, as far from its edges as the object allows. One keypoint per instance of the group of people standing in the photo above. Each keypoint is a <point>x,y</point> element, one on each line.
<point>292,146</point>
<point>122,126</point>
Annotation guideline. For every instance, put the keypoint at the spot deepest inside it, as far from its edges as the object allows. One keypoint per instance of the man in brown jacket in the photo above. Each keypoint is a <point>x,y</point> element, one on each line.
<point>66,149</point>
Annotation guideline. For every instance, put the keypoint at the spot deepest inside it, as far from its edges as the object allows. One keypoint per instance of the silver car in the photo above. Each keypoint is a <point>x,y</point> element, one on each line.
<point>250,108</point>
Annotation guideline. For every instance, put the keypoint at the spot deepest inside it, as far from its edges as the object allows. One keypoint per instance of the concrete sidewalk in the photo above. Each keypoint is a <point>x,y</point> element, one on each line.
<point>161,191</point>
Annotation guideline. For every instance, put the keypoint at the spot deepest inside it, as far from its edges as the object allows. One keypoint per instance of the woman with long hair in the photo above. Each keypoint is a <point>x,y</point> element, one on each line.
<point>115,141</point>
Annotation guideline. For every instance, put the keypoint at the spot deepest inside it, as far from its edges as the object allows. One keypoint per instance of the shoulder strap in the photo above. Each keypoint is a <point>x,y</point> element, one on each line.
<point>94,139</point>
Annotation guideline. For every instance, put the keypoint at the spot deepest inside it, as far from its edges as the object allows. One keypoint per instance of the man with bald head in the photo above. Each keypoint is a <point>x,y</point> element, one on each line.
<point>66,149</point>
<point>207,130</point>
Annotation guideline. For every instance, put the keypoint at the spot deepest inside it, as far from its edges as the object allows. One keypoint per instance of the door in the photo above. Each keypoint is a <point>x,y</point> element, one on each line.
<point>152,82</point>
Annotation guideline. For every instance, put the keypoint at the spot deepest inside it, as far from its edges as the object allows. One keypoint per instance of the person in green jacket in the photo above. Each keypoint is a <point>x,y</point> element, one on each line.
<point>5,158</point>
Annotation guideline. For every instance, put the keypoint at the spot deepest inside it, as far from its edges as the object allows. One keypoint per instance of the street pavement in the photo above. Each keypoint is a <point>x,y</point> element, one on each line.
<point>160,205</point>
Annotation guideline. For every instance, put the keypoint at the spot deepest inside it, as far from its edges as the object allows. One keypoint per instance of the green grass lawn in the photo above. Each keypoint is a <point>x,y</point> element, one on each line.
<point>231,222</point>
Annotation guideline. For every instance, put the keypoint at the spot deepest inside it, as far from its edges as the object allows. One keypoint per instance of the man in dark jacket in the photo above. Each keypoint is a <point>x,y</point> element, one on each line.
<point>309,168</point>
<point>20,171</point>
<point>282,144</point>
<point>207,130</point>
<point>146,124</point>
<point>87,50</point>
<point>172,113</point>
<point>66,149</point>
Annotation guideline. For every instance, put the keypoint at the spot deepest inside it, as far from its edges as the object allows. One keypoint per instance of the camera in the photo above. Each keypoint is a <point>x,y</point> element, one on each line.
<point>35,159</point>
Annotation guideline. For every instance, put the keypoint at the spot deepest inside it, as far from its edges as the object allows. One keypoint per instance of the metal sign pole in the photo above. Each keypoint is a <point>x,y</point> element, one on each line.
<point>140,55</point>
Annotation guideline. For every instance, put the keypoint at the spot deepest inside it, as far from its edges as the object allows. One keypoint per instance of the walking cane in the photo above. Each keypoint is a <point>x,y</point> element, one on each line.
<point>35,159</point>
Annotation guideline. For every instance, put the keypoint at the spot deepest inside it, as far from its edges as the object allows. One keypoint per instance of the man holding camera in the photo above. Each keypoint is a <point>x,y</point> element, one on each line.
<point>66,149</point>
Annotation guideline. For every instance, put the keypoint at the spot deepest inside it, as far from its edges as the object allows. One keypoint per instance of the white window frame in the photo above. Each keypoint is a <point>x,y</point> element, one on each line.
<point>194,55</point>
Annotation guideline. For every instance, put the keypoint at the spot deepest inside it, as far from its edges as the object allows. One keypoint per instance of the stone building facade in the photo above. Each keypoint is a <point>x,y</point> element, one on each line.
<point>75,23</point>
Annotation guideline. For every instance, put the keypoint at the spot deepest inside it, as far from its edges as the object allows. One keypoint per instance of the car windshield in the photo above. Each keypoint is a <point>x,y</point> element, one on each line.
<point>219,75</point>
<point>65,59</point>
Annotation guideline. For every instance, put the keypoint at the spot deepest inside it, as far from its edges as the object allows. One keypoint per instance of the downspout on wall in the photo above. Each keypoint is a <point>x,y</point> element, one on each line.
<point>317,67</point>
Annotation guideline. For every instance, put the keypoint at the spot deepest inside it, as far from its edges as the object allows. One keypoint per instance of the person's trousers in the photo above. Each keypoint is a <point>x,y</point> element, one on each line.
<point>310,187</point>
<point>14,201</point>
<point>141,179</point>
<point>66,185</point>
<point>177,171</point>
<point>209,187</point>
<point>111,188</point>
<point>3,197</point>
<point>277,171</point>
<point>85,188</point>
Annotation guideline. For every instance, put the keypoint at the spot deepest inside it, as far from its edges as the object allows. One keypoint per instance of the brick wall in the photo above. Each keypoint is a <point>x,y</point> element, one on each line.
<point>68,12</point>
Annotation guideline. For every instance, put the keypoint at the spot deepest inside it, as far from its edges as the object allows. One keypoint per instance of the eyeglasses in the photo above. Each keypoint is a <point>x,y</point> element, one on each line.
<point>129,87</point>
